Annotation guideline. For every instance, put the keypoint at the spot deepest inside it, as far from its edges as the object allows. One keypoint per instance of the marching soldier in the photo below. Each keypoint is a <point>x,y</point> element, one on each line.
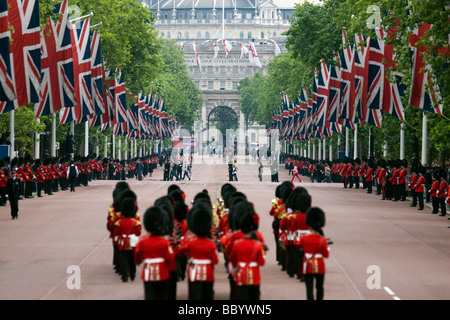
<point>402,180</point>
<point>434,192</point>
<point>412,185</point>
<point>442,191</point>
<point>419,187</point>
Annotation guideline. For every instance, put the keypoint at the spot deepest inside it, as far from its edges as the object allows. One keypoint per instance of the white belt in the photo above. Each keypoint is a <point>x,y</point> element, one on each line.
<point>195,262</point>
<point>310,255</point>
<point>300,232</point>
<point>149,262</point>
<point>153,260</point>
<point>250,264</point>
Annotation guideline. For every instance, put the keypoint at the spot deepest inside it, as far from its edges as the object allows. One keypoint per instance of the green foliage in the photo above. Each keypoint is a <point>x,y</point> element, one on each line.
<point>181,95</point>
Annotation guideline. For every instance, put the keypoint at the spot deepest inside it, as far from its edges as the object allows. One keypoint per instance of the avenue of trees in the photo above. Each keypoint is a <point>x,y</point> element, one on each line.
<point>316,33</point>
<point>130,41</point>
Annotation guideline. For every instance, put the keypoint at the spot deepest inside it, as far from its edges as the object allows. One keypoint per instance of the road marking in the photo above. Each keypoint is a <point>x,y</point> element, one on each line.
<point>390,292</point>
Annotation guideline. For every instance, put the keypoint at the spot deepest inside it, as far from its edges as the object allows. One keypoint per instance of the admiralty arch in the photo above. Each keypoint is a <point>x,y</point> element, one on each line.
<point>197,26</point>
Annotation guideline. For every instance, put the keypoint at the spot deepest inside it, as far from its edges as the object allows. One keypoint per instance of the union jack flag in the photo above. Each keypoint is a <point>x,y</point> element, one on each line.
<point>384,88</point>
<point>120,102</point>
<point>322,94</point>
<point>334,94</point>
<point>424,94</point>
<point>347,94</point>
<point>303,113</point>
<point>285,116</point>
<point>57,81</point>
<point>361,70</point>
<point>7,91</point>
<point>25,49</point>
<point>81,50</point>
<point>97,74</point>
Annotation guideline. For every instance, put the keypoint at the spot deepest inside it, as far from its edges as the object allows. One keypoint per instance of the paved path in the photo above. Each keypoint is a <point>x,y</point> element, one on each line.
<point>407,248</point>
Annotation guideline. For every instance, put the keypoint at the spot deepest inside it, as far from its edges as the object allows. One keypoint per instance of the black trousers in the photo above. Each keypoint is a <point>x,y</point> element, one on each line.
<point>156,290</point>
<point>248,292</point>
<point>309,281</point>
<point>420,199</point>
<point>128,265</point>
<point>435,203</point>
<point>442,203</point>
<point>201,290</point>
<point>14,203</point>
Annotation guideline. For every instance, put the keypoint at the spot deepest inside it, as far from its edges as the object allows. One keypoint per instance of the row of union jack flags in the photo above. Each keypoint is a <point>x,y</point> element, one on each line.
<point>60,69</point>
<point>359,88</point>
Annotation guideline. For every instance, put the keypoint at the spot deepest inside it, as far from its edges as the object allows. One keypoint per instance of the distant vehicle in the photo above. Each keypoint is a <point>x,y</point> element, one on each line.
<point>252,147</point>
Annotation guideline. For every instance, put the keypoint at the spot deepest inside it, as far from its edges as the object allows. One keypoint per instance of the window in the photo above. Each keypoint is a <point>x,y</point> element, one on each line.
<point>210,85</point>
<point>235,84</point>
<point>199,16</point>
<point>207,35</point>
<point>241,35</point>
<point>248,16</point>
<point>249,35</point>
<point>262,35</point>
<point>186,35</point>
<point>168,35</point>
<point>199,35</point>
<point>229,15</point>
<point>222,84</point>
<point>179,36</point>
<point>162,34</point>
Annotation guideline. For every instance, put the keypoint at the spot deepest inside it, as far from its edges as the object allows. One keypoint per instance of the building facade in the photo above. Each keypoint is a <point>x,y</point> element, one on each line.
<point>198,26</point>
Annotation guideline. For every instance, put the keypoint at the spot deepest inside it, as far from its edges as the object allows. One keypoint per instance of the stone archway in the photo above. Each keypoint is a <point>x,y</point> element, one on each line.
<point>222,118</point>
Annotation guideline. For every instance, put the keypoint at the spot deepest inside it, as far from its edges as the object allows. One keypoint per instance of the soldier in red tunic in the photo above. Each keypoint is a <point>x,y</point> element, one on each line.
<point>247,256</point>
<point>368,177</point>
<point>315,247</point>
<point>127,230</point>
<point>434,191</point>
<point>201,252</point>
<point>419,187</point>
<point>155,253</point>
<point>402,180</point>
<point>442,190</point>
<point>3,181</point>
<point>412,185</point>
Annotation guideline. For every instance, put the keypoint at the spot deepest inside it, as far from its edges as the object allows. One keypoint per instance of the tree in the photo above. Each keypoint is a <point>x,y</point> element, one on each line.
<point>181,95</point>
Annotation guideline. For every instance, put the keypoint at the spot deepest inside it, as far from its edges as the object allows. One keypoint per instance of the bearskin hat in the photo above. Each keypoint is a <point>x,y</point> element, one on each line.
<point>200,221</point>
<point>315,218</point>
<point>248,219</point>
<point>299,200</point>
<point>155,221</point>
<point>119,196</point>
<point>129,207</point>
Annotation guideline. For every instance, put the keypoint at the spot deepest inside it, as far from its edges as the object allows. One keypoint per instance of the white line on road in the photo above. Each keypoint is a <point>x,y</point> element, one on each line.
<point>390,292</point>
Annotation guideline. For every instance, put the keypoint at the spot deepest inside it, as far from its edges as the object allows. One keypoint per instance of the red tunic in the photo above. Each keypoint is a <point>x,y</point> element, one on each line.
<point>434,189</point>
<point>246,257</point>
<point>442,188</point>
<point>202,256</point>
<point>369,174</point>
<point>315,248</point>
<point>419,185</point>
<point>413,181</point>
<point>124,230</point>
<point>402,176</point>
<point>156,254</point>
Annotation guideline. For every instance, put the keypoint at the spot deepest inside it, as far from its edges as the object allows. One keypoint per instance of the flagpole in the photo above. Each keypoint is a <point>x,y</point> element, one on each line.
<point>355,148</point>
<point>72,131</point>
<point>11,135</point>
<point>86,138</point>
<point>402,141</point>
<point>81,18</point>
<point>37,135</point>
<point>53,144</point>
<point>347,142</point>
<point>424,139</point>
